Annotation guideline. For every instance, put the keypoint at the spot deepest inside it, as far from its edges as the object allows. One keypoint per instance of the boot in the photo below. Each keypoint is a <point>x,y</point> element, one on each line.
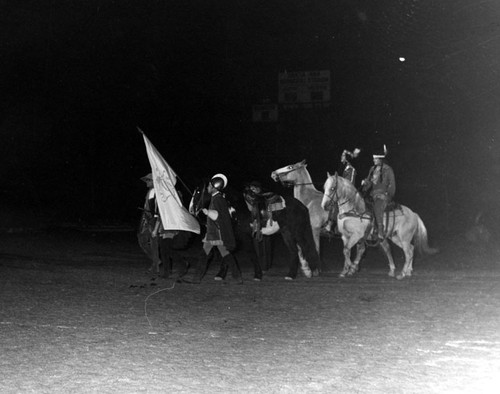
<point>185,268</point>
<point>230,261</point>
<point>221,275</point>
<point>381,232</point>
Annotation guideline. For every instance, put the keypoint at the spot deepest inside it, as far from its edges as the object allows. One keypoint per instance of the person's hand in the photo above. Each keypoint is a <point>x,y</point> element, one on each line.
<point>205,211</point>
<point>363,182</point>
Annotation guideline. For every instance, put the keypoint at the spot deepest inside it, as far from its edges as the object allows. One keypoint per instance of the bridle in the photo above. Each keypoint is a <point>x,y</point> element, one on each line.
<point>334,196</point>
<point>290,184</point>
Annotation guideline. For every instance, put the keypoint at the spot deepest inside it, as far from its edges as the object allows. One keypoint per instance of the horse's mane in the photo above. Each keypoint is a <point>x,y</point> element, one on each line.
<point>346,190</point>
<point>308,182</point>
<point>308,176</point>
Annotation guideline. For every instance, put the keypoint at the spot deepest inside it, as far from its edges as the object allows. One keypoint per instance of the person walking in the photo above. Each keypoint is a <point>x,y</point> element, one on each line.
<point>161,243</point>
<point>173,264</point>
<point>381,186</point>
<point>219,233</point>
<point>148,222</point>
<point>255,201</point>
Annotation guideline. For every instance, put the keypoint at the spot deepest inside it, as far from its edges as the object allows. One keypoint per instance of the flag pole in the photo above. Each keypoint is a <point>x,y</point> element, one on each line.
<point>178,177</point>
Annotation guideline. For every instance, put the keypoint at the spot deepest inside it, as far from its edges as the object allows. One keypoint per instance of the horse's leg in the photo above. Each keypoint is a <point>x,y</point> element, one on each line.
<point>408,249</point>
<point>360,250</point>
<point>316,235</point>
<point>347,256</point>
<point>353,240</point>
<point>387,250</point>
<point>304,265</point>
<point>316,231</point>
<point>290,243</point>
<point>405,244</point>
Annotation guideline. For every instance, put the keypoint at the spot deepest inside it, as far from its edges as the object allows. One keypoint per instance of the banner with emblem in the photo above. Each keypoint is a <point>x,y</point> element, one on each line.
<point>174,216</point>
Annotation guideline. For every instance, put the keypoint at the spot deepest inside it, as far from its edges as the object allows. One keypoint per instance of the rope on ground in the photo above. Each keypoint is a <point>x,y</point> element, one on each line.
<point>146,303</point>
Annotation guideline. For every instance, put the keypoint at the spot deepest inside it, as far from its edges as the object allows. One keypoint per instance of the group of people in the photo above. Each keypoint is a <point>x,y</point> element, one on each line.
<point>219,235</point>
<point>379,185</point>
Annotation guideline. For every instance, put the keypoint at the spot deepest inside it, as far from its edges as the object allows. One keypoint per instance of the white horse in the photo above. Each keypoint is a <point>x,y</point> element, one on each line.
<point>304,191</point>
<point>403,226</point>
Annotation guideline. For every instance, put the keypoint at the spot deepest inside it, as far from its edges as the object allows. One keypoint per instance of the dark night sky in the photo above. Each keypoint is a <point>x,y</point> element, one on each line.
<point>77,77</point>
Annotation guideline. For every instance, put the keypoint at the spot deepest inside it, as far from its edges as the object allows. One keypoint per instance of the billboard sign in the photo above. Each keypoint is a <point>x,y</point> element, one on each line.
<point>304,88</point>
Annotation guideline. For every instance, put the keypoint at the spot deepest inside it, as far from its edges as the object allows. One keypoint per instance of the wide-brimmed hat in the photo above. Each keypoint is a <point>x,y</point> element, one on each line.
<point>147,178</point>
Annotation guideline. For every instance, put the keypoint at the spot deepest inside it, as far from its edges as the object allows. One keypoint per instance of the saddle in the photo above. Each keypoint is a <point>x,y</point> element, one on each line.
<point>263,205</point>
<point>393,206</point>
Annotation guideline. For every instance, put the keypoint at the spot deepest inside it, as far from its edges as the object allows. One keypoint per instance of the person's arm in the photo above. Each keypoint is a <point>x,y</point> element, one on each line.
<point>156,228</point>
<point>211,213</point>
<point>366,183</point>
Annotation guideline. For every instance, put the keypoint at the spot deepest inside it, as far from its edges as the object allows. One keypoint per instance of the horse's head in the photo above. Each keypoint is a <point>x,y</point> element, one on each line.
<point>338,190</point>
<point>288,175</point>
<point>330,189</point>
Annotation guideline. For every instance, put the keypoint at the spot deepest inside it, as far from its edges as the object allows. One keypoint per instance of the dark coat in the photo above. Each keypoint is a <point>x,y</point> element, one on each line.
<point>220,231</point>
<point>382,185</point>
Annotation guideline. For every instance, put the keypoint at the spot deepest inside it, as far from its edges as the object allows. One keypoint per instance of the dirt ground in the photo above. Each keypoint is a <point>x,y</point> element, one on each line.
<point>79,313</point>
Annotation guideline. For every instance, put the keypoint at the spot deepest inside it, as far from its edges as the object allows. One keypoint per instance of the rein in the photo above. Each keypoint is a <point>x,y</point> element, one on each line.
<point>292,183</point>
<point>335,194</point>
<point>334,199</point>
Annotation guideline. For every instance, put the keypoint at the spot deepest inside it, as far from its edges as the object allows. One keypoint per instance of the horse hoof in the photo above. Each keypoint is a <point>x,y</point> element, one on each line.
<point>316,272</point>
<point>342,275</point>
<point>391,274</point>
<point>402,276</point>
<point>288,278</point>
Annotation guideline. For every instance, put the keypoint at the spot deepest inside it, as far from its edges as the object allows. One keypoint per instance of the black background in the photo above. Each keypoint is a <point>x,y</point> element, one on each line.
<point>77,77</point>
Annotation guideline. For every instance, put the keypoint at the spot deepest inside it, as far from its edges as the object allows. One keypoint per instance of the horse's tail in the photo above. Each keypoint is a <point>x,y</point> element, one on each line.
<point>421,241</point>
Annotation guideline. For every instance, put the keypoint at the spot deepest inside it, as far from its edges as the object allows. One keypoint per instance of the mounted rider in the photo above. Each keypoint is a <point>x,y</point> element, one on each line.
<point>348,172</point>
<point>381,186</point>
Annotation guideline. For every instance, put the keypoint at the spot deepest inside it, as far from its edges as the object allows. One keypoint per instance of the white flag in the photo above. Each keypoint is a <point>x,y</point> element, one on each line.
<point>174,216</point>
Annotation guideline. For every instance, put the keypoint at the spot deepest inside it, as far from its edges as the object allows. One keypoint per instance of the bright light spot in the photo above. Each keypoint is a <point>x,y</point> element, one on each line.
<point>402,59</point>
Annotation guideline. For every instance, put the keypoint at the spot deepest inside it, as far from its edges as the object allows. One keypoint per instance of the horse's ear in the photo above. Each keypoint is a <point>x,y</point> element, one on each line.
<point>328,174</point>
<point>303,162</point>
<point>336,173</point>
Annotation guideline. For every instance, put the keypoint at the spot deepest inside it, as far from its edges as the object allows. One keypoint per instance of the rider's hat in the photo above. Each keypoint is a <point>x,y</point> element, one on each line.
<point>380,154</point>
<point>219,181</point>
<point>147,178</point>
